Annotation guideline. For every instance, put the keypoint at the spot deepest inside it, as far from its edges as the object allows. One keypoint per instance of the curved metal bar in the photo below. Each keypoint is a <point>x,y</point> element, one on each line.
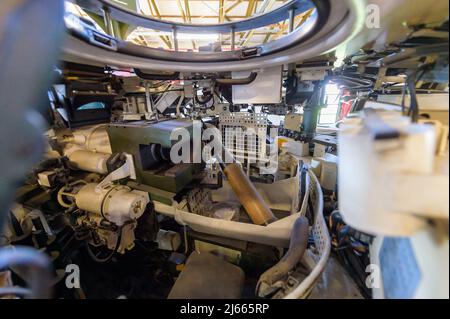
<point>297,247</point>
<point>321,239</point>
<point>344,22</point>
<point>39,263</point>
<point>317,19</point>
<point>16,291</point>
<point>128,16</point>
<point>241,81</point>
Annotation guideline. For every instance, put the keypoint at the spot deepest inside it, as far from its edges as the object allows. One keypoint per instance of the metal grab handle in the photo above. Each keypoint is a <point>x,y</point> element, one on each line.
<point>40,268</point>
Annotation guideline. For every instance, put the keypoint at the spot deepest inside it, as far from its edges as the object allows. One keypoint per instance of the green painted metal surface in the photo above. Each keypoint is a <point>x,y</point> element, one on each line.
<point>131,137</point>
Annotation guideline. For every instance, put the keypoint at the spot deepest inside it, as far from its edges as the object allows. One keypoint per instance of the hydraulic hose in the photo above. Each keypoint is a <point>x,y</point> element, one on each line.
<point>297,247</point>
<point>154,77</point>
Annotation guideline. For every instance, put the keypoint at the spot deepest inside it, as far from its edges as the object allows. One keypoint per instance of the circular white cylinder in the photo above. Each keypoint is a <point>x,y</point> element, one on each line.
<point>116,203</point>
<point>89,161</point>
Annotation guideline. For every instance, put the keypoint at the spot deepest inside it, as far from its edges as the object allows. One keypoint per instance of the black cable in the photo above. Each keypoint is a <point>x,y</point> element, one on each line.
<point>414,106</point>
<point>412,81</point>
<point>404,87</point>
<point>107,258</point>
<point>353,261</point>
<point>160,77</point>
